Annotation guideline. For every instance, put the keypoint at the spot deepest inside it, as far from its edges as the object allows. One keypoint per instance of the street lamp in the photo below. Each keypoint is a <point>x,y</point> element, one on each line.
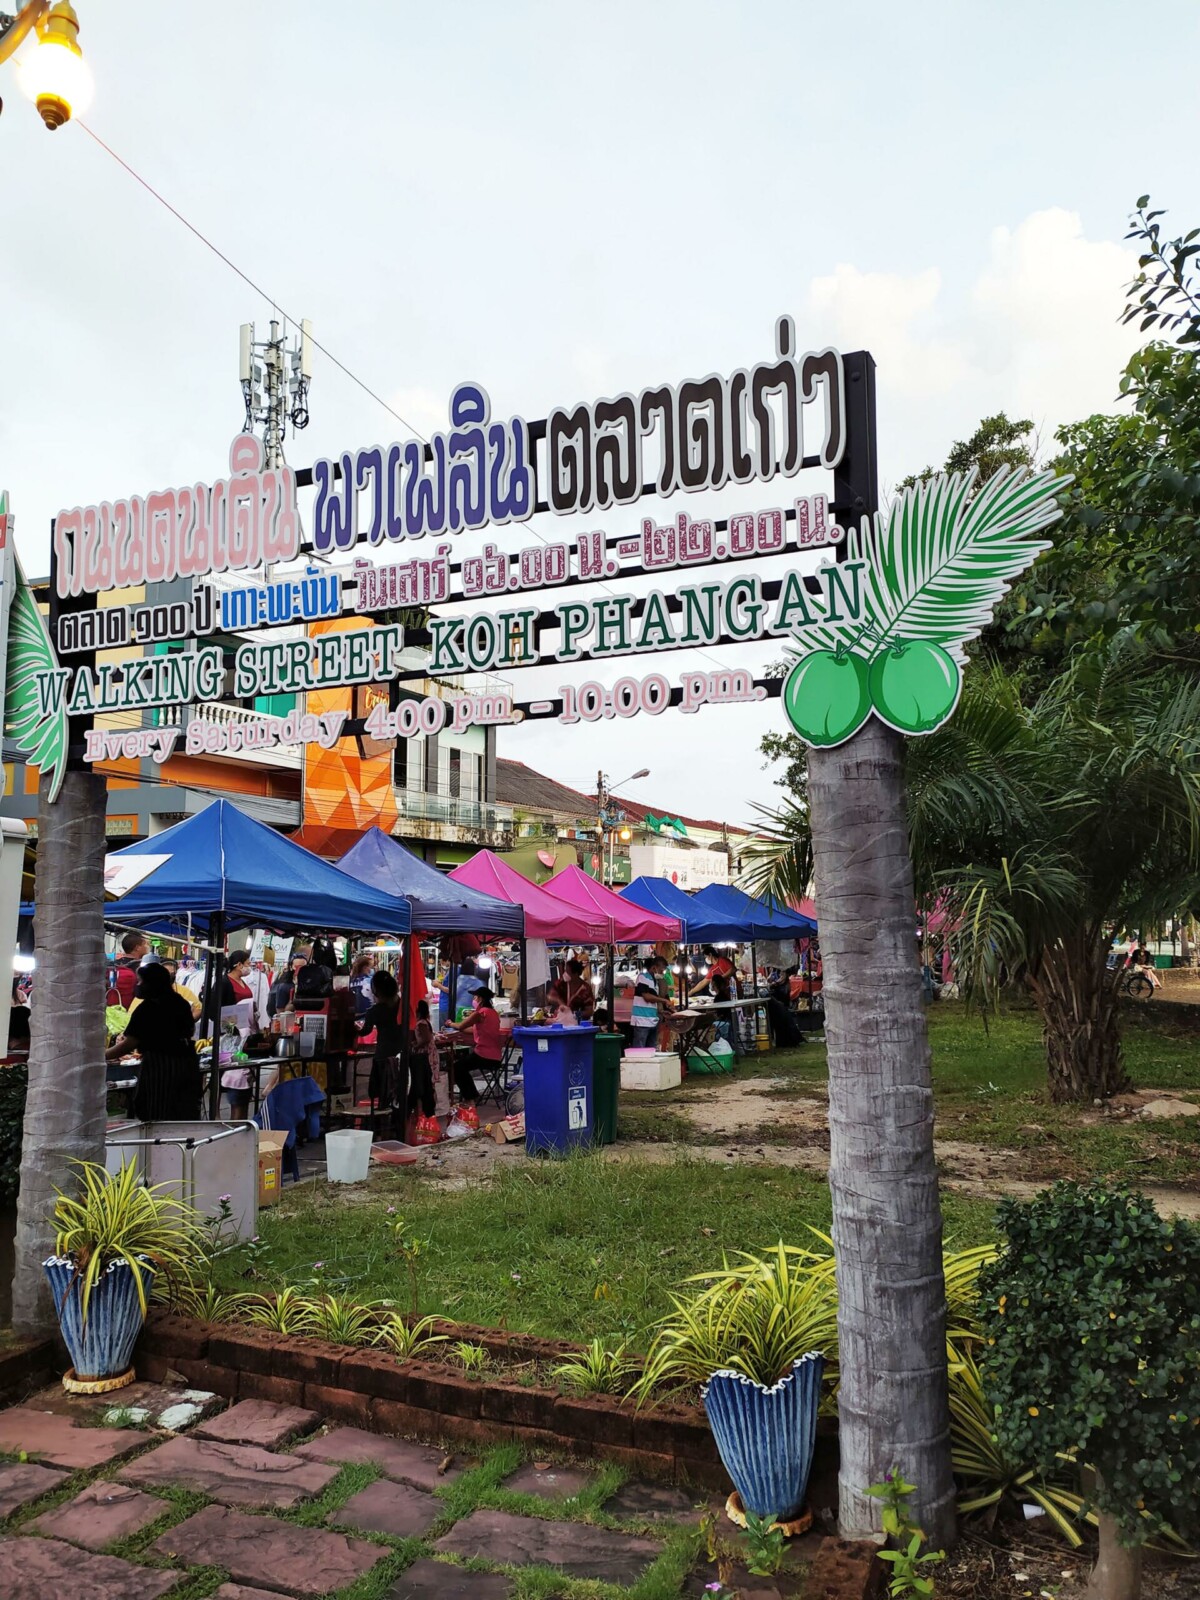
<point>54,74</point>
<point>604,793</point>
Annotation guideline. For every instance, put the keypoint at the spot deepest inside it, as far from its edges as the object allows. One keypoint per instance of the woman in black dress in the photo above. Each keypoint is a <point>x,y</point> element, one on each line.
<point>160,1029</point>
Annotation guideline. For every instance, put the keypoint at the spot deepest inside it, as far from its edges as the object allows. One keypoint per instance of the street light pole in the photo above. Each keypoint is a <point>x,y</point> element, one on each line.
<point>606,826</point>
<point>54,76</point>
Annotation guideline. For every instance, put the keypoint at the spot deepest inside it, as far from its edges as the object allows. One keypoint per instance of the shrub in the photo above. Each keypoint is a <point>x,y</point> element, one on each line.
<point>597,1370</point>
<point>1091,1316</point>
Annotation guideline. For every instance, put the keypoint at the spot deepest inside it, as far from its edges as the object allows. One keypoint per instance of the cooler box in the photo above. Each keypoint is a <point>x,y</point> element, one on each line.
<point>651,1070</point>
<point>606,1080</point>
<point>556,1066</point>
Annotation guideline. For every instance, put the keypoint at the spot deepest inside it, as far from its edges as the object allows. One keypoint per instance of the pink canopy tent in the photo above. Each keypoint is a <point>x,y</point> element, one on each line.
<point>630,923</point>
<point>547,914</point>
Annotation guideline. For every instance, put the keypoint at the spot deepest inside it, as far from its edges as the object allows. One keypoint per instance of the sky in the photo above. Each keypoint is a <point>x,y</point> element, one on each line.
<point>562,201</point>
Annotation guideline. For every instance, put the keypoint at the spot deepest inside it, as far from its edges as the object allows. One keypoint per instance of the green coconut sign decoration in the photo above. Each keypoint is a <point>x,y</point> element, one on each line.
<point>889,639</point>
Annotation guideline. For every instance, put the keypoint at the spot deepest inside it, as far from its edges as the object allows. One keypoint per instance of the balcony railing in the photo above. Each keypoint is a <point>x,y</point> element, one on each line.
<point>227,715</point>
<point>475,815</point>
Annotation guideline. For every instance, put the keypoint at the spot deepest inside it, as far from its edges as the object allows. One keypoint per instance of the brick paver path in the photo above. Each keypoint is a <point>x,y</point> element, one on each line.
<point>259,1422</point>
<point>234,1474</point>
<point>100,1515</point>
<point>286,1511</point>
<point>262,1550</point>
<point>575,1548</point>
<point>45,1569</point>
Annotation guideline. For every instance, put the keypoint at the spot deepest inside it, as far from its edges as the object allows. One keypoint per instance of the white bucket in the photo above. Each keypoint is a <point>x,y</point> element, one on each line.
<point>348,1154</point>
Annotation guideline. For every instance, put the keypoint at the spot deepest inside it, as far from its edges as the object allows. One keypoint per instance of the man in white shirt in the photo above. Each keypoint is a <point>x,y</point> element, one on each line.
<point>647,1004</point>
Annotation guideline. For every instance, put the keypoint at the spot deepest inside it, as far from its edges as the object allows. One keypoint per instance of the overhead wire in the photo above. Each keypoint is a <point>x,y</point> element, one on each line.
<point>317,344</point>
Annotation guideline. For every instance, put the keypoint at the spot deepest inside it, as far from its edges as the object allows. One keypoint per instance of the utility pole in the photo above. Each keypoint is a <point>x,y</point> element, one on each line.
<point>275,382</point>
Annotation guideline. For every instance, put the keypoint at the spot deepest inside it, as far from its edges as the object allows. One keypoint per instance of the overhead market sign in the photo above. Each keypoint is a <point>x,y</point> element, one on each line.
<point>881,630</point>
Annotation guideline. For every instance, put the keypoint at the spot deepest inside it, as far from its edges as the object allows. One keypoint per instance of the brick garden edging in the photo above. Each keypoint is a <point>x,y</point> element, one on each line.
<point>425,1400</point>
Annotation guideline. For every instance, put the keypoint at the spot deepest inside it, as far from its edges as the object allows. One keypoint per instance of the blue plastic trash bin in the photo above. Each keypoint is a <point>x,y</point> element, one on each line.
<point>556,1065</point>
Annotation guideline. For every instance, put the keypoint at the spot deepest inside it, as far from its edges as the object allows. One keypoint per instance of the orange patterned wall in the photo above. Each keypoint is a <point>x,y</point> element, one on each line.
<point>345,793</point>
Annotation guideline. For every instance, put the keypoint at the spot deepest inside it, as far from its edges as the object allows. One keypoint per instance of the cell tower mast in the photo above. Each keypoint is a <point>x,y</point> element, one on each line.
<point>275,384</point>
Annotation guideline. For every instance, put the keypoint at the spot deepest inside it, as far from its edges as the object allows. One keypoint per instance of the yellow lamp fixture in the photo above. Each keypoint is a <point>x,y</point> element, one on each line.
<point>54,74</point>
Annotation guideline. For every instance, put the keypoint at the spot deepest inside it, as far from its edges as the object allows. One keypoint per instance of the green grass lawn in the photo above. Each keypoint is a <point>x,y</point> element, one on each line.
<point>568,1248</point>
<point>990,1089</point>
<point>587,1246</point>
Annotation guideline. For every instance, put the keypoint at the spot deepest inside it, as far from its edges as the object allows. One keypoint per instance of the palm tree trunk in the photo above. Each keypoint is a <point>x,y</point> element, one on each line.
<point>64,1111</point>
<point>887,1220</point>
<point>1077,997</point>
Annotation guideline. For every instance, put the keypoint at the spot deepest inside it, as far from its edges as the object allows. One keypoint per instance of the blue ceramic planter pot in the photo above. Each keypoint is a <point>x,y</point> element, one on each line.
<point>767,1436</point>
<point>101,1347</point>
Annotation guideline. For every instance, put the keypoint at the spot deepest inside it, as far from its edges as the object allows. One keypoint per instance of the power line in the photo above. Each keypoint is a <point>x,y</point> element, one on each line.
<point>325,351</point>
<point>258,289</point>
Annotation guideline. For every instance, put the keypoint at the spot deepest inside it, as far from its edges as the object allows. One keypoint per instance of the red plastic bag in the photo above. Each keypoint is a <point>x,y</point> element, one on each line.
<point>426,1130</point>
<point>467,1115</point>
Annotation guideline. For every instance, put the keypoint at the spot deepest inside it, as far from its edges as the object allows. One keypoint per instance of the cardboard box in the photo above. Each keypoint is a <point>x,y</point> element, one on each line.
<point>270,1165</point>
<point>508,1129</point>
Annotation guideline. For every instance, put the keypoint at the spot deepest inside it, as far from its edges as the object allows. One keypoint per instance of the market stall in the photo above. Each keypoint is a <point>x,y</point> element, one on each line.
<point>221,871</point>
<point>440,903</point>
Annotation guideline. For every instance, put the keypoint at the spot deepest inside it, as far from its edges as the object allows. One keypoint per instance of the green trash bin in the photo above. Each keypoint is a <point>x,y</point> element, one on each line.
<point>606,1085</point>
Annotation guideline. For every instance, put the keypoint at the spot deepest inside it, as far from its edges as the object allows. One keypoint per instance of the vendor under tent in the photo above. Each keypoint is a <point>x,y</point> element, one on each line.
<point>222,871</point>
<point>440,904</point>
<point>630,923</point>
<point>547,916</point>
<point>667,899</point>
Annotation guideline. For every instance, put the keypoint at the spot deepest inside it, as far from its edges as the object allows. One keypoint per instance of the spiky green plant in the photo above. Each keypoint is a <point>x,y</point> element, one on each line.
<point>597,1369</point>
<point>406,1340</point>
<point>984,1472</point>
<point>344,1320</point>
<point>756,1317</point>
<point>206,1303</point>
<point>759,1313</point>
<point>471,1357</point>
<point>116,1217</point>
<point>289,1311</point>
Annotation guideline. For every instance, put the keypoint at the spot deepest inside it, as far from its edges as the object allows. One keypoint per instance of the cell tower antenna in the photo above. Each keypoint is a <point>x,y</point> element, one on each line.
<point>275,382</point>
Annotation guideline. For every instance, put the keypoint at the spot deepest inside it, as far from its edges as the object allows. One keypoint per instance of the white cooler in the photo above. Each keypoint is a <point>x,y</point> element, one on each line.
<point>656,1069</point>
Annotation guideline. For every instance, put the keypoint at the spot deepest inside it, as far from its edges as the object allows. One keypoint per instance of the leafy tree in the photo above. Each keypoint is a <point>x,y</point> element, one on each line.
<point>1041,825</point>
<point>997,442</point>
<point>1126,555</point>
<point>1091,1315</point>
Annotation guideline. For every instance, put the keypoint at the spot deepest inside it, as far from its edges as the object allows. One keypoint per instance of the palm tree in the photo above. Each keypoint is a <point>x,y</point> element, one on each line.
<point>1040,830</point>
<point>64,1110</point>
<point>887,1221</point>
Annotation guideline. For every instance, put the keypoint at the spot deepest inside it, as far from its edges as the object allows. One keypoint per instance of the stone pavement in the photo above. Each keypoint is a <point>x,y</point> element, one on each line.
<point>257,1501</point>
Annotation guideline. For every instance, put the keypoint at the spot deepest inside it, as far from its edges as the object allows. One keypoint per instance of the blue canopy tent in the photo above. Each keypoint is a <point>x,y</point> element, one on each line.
<point>224,871</point>
<point>439,904</point>
<point>669,900</point>
<point>224,865</point>
<point>740,916</point>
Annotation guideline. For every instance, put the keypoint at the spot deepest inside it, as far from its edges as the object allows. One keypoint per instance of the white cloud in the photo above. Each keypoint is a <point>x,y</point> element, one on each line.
<point>1046,310</point>
<point>1035,334</point>
<point>891,316</point>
